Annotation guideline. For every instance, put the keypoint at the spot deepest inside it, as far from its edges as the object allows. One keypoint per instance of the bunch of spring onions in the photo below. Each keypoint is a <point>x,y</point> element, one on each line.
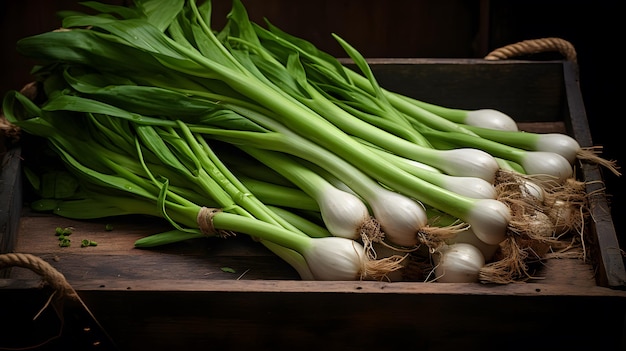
<point>254,131</point>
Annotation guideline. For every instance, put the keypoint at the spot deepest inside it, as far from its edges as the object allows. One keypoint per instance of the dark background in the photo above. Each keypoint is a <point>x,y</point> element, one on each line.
<point>423,29</point>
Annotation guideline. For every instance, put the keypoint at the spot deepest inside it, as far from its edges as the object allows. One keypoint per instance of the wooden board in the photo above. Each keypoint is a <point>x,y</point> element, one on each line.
<point>235,294</point>
<point>115,258</point>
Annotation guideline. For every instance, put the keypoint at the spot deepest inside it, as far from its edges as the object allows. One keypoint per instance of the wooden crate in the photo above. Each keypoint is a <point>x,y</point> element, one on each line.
<point>179,297</point>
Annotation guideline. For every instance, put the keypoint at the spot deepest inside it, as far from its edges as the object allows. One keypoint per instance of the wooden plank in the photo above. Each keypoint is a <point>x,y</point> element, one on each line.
<point>11,201</point>
<point>609,257</point>
<point>543,127</point>
<point>475,84</point>
<point>357,321</point>
<point>115,257</point>
<point>325,316</point>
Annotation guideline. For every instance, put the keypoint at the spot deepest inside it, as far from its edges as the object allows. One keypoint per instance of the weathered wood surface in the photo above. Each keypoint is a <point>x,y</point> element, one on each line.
<point>179,296</point>
<point>282,315</point>
<point>11,195</point>
<point>474,84</point>
<point>116,259</point>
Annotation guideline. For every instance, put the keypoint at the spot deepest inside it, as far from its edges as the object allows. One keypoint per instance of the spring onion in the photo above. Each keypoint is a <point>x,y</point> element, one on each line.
<point>344,214</point>
<point>342,153</point>
<point>458,263</point>
<point>328,258</point>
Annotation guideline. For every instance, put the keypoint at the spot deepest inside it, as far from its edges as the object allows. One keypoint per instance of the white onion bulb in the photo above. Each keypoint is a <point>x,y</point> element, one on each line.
<point>467,236</point>
<point>335,258</point>
<point>490,118</point>
<point>474,187</point>
<point>547,163</point>
<point>343,213</point>
<point>458,263</point>
<point>489,219</point>
<point>468,162</point>
<point>561,144</point>
<point>400,217</point>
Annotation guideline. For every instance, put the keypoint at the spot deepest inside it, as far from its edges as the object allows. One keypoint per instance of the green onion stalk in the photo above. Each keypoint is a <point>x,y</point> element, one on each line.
<point>436,116</point>
<point>558,143</point>
<point>525,153</point>
<point>343,213</point>
<point>189,89</point>
<point>292,78</point>
<point>127,182</point>
<point>543,156</point>
<point>337,74</point>
<point>358,90</point>
<point>179,62</point>
<point>530,158</point>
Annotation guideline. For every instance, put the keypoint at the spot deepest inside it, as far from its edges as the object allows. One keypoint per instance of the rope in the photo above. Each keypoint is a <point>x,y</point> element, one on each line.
<point>205,220</point>
<point>205,223</point>
<point>63,292</point>
<point>49,274</point>
<point>534,46</point>
<point>62,289</point>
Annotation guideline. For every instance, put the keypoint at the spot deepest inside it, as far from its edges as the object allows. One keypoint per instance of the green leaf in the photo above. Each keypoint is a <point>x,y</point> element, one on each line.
<point>278,38</point>
<point>107,180</point>
<point>79,104</point>
<point>362,64</point>
<point>87,208</point>
<point>147,100</point>
<point>152,140</point>
<point>58,185</point>
<point>122,11</point>
<point>22,112</point>
<point>44,205</point>
<point>160,13</point>
<point>151,52</point>
<point>228,270</point>
<point>33,178</point>
<point>168,237</point>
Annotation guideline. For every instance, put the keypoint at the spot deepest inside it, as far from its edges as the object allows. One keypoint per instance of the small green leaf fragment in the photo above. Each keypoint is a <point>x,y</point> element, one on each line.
<point>84,243</point>
<point>65,243</point>
<point>227,270</point>
<point>42,205</point>
<point>63,231</point>
<point>108,227</point>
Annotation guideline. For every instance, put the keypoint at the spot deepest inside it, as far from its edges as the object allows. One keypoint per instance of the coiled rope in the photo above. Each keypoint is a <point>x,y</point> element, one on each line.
<point>534,46</point>
<point>48,273</point>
